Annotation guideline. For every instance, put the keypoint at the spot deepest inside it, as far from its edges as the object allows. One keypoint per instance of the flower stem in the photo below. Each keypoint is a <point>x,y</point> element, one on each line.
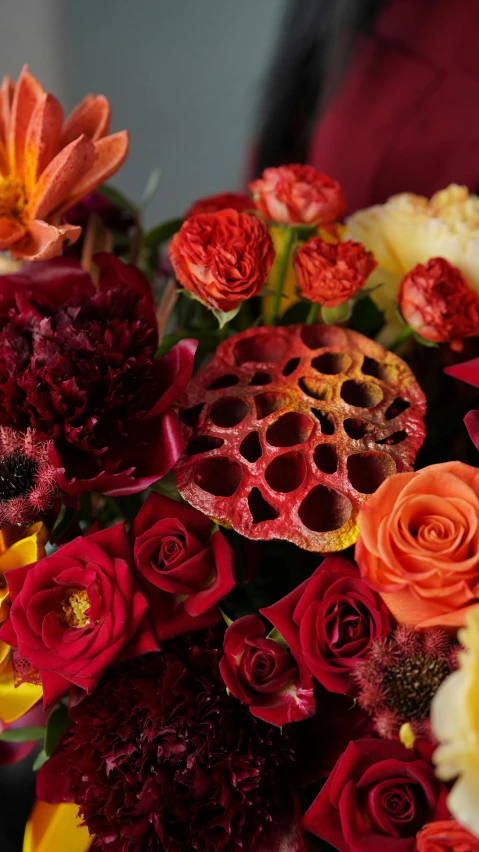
<point>282,270</point>
<point>313,313</point>
<point>402,336</point>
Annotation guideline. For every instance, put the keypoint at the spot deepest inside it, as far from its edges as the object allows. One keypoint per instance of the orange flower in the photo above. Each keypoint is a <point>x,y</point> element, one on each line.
<point>446,836</point>
<point>46,164</point>
<point>418,544</point>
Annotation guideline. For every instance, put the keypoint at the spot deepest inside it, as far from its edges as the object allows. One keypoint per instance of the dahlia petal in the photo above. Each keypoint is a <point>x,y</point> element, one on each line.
<point>27,94</point>
<point>467,371</point>
<point>174,371</point>
<point>472,425</point>
<point>10,232</point>
<point>60,177</point>
<point>42,140</point>
<point>91,117</point>
<point>43,242</point>
<point>110,154</point>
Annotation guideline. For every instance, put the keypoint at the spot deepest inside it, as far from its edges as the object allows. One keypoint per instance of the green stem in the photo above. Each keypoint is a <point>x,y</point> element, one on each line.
<point>282,270</point>
<point>402,336</point>
<point>313,313</point>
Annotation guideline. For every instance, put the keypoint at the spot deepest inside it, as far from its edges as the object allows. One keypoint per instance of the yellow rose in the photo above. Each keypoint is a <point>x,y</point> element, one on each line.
<point>455,722</point>
<point>410,229</point>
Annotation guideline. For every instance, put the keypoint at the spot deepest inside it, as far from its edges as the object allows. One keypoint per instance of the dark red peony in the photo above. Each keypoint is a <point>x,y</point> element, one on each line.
<point>222,201</point>
<point>437,302</point>
<point>222,258</point>
<point>296,194</point>
<point>183,570</point>
<point>378,796</point>
<point>332,619</point>
<point>331,273</point>
<point>77,365</point>
<point>160,757</point>
<point>78,610</point>
<point>262,673</point>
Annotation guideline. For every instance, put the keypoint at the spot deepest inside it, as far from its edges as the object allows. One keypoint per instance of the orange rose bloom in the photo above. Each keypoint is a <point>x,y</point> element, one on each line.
<point>297,194</point>
<point>331,273</point>
<point>418,544</point>
<point>446,836</point>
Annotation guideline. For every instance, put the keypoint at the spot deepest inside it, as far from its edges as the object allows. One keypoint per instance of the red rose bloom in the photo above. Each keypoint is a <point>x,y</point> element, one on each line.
<point>436,301</point>
<point>222,201</point>
<point>77,611</point>
<point>446,836</point>
<point>223,258</point>
<point>331,273</point>
<point>264,675</point>
<point>77,365</point>
<point>377,797</point>
<point>332,619</point>
<point>183,570</point>
<point>298,194</point>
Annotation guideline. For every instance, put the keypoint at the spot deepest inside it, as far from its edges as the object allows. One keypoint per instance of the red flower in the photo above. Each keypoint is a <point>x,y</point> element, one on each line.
<point>77,611</point>
<point>468,372</point>
<point>27,479</point>
<point>263,674</point>
<point>332,619</point>
<point>436,301</point>
<point>446,836</point>
<point>222,201</point>
<point>377,797</point>
<point>77,365</point>
<point>160,757</point>
<point>184,572</point>
<point>298,195</point>
<point>223,258</point>
<point>331,273</point>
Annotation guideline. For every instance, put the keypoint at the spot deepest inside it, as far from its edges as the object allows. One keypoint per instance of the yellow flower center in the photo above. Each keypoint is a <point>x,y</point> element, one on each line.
<point>74,608</point>
<point>12,199</point>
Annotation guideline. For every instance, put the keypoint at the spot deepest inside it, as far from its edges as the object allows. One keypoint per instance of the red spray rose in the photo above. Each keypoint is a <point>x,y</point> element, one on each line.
<point>78,610</point>
<point>77,365</point>
<point>263,674</point>
<point>183,570</point>
<point>332,619</point>
<point>222,201</point>
<point>446,836</point>
<point>436,301</point>
<point>223,258</point>
<point>377,797</point>
<point>331,273</point>
<point>298,194</point>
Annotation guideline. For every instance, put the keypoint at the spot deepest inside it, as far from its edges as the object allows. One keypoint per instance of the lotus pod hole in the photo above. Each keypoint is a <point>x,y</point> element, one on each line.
<point>297,459</point>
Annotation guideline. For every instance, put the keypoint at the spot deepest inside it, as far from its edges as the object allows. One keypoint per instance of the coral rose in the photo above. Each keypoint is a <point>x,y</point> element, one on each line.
<point>419,544</point>
<point>77,611</point>
<point>222,201</point>
<point>298,194</point>
<point>331,273</point>
<point>262,673</point>
<point>222,258</point>
<point>446,836</point>
<point>435,300</point>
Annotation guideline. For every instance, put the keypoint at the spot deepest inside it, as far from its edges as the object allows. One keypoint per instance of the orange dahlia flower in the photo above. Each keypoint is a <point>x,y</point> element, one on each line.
<point>47,164</point>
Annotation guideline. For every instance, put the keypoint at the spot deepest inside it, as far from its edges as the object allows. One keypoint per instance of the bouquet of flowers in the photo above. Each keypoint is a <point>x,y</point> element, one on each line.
<point>239,564</point>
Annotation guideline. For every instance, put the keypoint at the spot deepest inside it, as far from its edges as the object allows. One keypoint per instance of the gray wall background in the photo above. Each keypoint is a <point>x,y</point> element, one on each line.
<point>183,76</point>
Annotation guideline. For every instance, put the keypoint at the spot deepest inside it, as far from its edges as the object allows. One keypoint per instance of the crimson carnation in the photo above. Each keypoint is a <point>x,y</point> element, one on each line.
<point>331,273</point>
<point>213,203</point>
<point>77,366</point>
<point>160,758</point>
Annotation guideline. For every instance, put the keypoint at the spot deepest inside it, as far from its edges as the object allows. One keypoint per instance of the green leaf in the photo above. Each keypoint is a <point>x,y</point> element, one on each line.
<point>333,316</point>
<point>225,317</point>
<point>167,487</point>
<point>114,196</point>
<point>40,759</point>
<point>64,520</point>
<point>23,735</point>
<point>161,233</point>
<point>57,724</point>
<point>275,635</point>
<point>367,318</point>
<point>151,188</point>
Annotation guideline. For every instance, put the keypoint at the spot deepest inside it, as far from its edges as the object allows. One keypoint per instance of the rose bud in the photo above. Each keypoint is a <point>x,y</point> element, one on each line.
<point>437,302</point>
<point>297,194</point>
<point>262,673</point>
<point>331,273</point>
<point>331,619</point>
<point>222,258</point>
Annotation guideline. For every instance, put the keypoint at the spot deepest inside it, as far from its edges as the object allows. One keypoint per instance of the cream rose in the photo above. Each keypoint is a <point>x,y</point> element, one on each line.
<point>455,721</point>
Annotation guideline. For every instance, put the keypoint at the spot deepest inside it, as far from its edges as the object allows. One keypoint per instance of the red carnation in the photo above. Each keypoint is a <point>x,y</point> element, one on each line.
<point>78,366</point>
<point>263,674</point>
<point>160,757</point>
<point>298,194</point>
<point>183,570</point>
<point>378,796</point>
<point>331,273</point>
<point>222,201</point>
<point>332,619</point>
<point>437,302</point>
<point>78,610</point>
<point>223,258</point>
